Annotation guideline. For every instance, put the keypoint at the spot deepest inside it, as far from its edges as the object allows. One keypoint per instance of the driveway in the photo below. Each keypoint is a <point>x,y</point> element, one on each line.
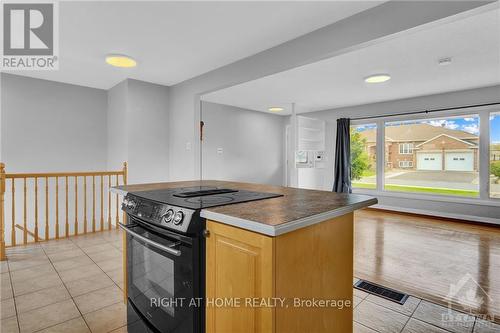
<point>433,176</point>
<point>459,180</point>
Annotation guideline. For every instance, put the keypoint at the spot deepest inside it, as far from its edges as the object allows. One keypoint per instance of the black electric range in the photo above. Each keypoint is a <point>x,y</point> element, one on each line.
<point>166,255</point>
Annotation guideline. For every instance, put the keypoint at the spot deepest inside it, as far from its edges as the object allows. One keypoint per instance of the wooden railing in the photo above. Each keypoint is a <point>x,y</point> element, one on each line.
<point>81,223</point>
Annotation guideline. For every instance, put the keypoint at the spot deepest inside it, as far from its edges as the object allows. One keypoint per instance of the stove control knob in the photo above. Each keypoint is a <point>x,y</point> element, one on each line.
<point>131,204</point>
<point>168,216</point>
<point>179,216</point>
<point>125,203</point>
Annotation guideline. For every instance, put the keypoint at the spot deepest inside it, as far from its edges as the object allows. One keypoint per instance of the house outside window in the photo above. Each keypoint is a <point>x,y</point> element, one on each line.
<point>442,154</point>
<point>437,156</point>
<point>406,148</point>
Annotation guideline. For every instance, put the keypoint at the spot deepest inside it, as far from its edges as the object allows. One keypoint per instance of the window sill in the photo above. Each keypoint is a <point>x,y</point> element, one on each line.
<point>442,198</point>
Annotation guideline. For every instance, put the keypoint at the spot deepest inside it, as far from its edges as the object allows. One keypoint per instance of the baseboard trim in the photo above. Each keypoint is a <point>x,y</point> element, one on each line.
<point>461,217</point>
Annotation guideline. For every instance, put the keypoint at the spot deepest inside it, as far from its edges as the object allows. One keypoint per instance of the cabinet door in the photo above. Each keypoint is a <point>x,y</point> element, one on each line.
<point>239,266</point>
<point>315,263</point>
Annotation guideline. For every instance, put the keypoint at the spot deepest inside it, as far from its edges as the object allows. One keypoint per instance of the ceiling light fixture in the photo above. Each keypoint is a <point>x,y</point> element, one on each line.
<point>275,109</point>
<point>377,78</point>
<point>120,60</point>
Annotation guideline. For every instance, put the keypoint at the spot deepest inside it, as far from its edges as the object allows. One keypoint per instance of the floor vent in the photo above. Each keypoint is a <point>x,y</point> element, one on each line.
<point>375,289</point>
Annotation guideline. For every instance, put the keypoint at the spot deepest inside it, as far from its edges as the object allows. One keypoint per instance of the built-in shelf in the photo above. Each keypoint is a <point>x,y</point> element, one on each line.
<point>311,134</point>
<point>311,129</point>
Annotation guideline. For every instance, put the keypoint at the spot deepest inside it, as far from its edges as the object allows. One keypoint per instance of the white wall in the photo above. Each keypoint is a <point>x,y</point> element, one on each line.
<point>393,18</point>
<point>117,138</point>
<point>252,145</point>
<point>487,212</point>
<point>147,130</point>
<point>50,126</point>
<point>138,123</point>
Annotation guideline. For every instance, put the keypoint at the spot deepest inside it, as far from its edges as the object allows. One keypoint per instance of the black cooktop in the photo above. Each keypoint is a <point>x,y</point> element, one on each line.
<point>199,197</point>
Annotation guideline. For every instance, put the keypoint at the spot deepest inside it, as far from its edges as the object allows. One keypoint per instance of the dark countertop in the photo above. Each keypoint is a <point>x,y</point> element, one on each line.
<point>296,209</point>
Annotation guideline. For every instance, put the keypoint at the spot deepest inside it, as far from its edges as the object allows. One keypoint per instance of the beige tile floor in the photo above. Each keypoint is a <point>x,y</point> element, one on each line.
<point>75,285</point>
<point>70,285</point>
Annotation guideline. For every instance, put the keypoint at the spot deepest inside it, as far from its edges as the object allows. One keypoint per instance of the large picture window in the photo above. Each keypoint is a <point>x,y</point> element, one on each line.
<point>495,155</point>
<point>433,156</point>
<point>364,156</point>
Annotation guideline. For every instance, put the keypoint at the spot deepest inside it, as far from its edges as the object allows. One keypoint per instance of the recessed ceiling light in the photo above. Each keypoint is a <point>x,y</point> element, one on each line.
<point>275,109</point>
<point>377,78</point>
<point>120,60</point>
<point>444,61</point>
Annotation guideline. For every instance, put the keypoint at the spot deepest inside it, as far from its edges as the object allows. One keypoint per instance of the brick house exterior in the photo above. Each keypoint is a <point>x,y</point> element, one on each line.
<point>425,147</point>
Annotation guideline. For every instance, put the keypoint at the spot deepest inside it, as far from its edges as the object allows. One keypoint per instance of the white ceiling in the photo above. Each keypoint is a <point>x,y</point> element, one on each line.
<point>411,60</point>
<point>175,41</point>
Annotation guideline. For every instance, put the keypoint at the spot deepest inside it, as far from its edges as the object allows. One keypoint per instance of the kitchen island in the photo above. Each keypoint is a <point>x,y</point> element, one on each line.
<point>283,264</point>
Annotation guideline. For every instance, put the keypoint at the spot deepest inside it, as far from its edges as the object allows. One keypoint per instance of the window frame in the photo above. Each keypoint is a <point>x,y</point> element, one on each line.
<point>483,113</point>
<point>409,164</point>
<point>493,113</point>
<point>408,150</point>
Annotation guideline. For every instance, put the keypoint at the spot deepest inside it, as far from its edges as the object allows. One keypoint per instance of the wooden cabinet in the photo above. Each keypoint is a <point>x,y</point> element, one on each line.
<point>239,265</point>
<point>313,263</point>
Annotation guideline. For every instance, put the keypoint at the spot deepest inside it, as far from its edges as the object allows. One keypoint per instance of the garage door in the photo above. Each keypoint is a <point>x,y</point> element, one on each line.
<point>459,161</point>
<point>429,161</point>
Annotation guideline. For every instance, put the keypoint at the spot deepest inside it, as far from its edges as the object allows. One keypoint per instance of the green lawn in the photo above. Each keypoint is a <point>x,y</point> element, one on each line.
<point>369,173</point>
<point>421,189</point>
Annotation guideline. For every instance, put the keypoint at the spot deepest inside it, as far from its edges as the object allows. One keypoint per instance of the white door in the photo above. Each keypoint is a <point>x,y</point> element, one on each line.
<point>463,161</point>
<point>429,161</point>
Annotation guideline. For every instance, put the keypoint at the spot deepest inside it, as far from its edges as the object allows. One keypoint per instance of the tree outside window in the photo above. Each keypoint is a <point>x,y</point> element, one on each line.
<point>363,156</point>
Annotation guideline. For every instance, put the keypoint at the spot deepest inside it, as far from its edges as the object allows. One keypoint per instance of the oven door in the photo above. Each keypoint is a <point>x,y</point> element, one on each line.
<point>161,279</point>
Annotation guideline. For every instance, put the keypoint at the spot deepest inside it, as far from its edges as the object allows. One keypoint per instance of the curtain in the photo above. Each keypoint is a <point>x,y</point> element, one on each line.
<point>342,171</point>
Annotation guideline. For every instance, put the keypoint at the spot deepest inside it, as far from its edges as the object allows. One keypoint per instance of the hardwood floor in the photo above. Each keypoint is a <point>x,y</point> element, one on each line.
<point>446,262</point>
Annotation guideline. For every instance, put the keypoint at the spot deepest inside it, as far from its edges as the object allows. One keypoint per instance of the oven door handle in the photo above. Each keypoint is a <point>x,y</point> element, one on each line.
<point>150,242</point>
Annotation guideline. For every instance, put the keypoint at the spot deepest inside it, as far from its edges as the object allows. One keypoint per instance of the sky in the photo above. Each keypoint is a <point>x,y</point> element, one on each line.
<point>495,128</point>
<point>467,124</point>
